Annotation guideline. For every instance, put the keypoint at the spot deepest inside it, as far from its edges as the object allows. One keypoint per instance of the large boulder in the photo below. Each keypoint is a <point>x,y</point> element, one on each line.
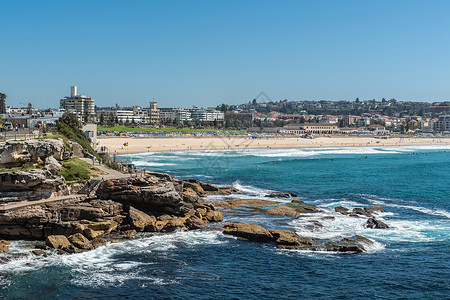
<point>251,232</point>
<point>52,164</point>
<point>140,220</point>
<point>58,242</point>
<point>80,241</point>
<point>341,210</point>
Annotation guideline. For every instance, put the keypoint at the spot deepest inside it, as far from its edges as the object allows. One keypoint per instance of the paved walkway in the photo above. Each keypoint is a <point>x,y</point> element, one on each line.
<point>111,174</point>
<point>22,204</point>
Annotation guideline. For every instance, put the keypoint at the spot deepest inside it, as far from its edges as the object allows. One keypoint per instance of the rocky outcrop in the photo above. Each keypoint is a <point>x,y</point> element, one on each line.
<point>249,202</point>
<point>373,209</point>
<point>150,203</point>
<point>76,149</point>
<point>31,185</point>
<point>288,239</point>
<point>376,224</point>
<point>37,151</point>
<point>251,232</point>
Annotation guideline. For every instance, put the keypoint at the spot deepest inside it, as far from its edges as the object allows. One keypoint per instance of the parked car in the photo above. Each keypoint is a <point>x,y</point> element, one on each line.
<point>8,126</point>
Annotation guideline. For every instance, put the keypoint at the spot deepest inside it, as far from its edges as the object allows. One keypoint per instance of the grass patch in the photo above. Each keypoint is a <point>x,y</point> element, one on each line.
<point>25,167</point>
<point>76,170</point>
<point>164,129</point>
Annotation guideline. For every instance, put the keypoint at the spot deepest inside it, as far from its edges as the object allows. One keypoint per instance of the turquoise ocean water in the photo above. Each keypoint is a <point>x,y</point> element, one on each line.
<point>408,261</point>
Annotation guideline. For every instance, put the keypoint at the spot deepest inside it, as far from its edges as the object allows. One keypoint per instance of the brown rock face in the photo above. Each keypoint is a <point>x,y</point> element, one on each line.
<point>252,232</point>
<point>281,210</point>
<point>140,220</point>
<point>286,239</point>
<point>58,242</point>
<point>80,241</point>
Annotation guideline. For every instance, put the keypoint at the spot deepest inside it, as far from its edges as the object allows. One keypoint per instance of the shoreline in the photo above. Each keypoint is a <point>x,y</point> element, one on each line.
<point>158,145</point>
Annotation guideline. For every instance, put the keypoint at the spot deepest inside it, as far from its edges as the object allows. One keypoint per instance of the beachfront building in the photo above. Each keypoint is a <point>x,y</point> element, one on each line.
<point>206,115</point>
<point>153,113</point>
<point>310,128</point>
<point>82,106</point>
<point>443,124</point>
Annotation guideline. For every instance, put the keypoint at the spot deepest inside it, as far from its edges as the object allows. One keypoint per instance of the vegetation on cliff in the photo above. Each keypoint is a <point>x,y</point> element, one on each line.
<point>77,171</point>
<point>70,127</point>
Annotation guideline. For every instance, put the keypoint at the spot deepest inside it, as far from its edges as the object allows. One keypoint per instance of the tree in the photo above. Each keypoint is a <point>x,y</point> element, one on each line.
<point>30,108</point>
<point>102,119</point>
<point>2,103</point>
<point>254,102</point>
<point>357,100</point>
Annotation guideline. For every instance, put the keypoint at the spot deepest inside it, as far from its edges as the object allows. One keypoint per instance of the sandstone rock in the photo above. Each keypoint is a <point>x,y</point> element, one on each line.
<point>52,164</point>
<point>341,210</point>
<point>252,232</point>
<point>77,149</point>
<point>281,210</point>
<point>196,223</point>
<point>18,152</point>
<point>214,216</point>
<point>250,202</point>
<point>58,242</point>
<point>140,220</point>
<point>80,241</point>
<point>374,223</point>
<point>92,234</point>
<point>286,239</point>
<point>4,247</point>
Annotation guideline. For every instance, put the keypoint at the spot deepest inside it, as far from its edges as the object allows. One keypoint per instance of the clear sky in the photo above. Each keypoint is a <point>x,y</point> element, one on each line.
<point>184,53</point>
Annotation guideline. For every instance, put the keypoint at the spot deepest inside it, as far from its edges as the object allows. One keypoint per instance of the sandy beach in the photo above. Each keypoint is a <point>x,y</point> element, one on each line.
<point>139,145</point>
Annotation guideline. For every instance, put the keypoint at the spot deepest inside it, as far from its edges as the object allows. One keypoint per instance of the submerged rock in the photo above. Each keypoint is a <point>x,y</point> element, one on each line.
<point>281,195</point>
<point>377,224</point>
<point>371,209</point>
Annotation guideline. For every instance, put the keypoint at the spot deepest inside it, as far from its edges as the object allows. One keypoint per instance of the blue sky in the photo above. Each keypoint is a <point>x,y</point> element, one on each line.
<point>184,53</point>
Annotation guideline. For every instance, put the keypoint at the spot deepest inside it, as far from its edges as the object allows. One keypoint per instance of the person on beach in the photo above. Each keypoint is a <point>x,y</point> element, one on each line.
<point>93,160</point>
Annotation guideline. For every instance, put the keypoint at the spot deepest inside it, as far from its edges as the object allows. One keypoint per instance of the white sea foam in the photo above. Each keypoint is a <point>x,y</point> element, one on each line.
<point>103,266</point>
<point>150,164</point>
<point>400,230</point>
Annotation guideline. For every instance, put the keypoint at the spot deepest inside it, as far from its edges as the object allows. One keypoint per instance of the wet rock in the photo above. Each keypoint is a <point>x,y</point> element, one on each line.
<point>39,252</point>
<point>196,223</point>
<point>341,210</point>
<point>371,209</point>
<point>329,218</point>
<point>377,224</point>
<point>92,234</point>
<point>252,232</point>
<point>355,244</point>
<point>281,195</point>
<point>140,220</point>
<point>359,211</point>
<point>214,216</point>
